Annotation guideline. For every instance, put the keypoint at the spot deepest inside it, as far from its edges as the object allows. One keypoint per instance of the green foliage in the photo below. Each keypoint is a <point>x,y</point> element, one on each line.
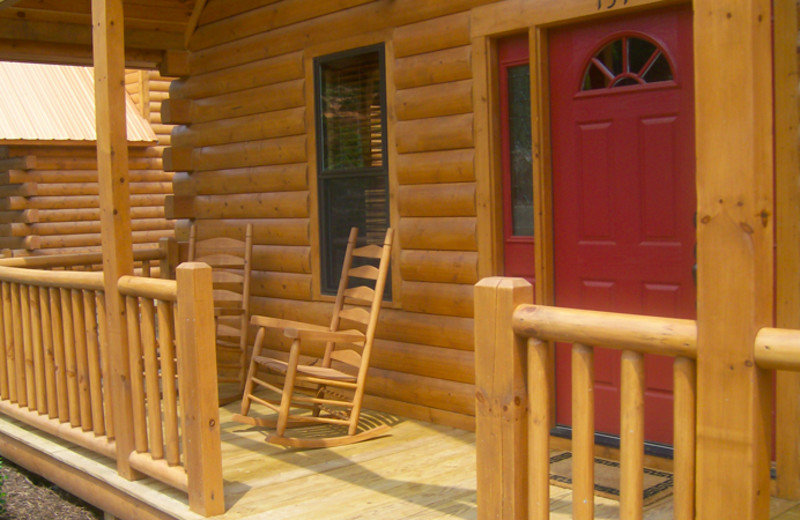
<point>2,492</point>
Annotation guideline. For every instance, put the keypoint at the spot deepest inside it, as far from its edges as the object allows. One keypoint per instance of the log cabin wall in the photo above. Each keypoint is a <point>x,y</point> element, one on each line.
<point>49,204</point>
<point>148,89</point>
<point>246,153</point>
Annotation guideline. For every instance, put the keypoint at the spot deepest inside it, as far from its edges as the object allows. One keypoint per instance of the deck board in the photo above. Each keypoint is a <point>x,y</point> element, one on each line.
<point>419,471</point>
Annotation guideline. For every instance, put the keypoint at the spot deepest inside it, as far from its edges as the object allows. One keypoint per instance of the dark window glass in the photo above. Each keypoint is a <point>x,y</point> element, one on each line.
<point>352,176</point>
<point>625,62</point>
<point>519,123</point>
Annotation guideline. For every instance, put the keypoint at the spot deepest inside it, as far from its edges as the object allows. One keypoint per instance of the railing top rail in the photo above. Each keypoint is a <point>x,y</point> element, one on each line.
<point>646,334</point>
<point>778,349</point>
<point>144,287</point>
<point>92,281</point>
<point>69,260</point>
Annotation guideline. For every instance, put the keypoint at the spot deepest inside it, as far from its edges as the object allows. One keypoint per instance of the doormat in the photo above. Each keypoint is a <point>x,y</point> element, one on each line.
<point>657,484</point>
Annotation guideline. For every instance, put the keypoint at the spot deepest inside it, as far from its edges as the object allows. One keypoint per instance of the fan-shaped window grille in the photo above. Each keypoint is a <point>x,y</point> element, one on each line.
<point>626,61</point>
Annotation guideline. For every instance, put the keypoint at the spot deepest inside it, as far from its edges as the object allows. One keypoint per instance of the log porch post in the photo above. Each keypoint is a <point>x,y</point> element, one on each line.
<point>734,129</point>
<point>197,367</point>
<point>501,400</point>
<point>115,217</point>
<point>787,215</point>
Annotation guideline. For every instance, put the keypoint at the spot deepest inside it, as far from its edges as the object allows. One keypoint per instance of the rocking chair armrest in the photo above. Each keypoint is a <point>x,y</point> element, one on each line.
<point>278,323</point>
<point>343,336</point>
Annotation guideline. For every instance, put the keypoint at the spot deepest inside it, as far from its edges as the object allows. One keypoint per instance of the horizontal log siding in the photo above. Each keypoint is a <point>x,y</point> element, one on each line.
<point>149,90</point>
<point>241,156</point>
<point>53,205</point>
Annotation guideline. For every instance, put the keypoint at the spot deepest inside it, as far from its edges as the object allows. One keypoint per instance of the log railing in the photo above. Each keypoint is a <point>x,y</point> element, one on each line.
<point>146,260</point>
<point>55,373</point>
<point>512,339</point>
<point>53,355</point>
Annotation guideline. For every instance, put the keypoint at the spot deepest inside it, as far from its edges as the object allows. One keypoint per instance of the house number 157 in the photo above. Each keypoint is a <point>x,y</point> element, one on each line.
<point>611,3</point>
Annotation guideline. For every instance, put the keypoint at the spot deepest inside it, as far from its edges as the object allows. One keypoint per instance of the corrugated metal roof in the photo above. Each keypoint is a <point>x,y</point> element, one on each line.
<point>55,103</point>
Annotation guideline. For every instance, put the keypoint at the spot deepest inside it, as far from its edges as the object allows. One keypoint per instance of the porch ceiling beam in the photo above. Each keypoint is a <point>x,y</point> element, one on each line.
<point>195,18</point>
<point>81,34</point>
<point>114,195</point>
<point>69,54</point>
<point>735,163</point>
<point>7,3</point>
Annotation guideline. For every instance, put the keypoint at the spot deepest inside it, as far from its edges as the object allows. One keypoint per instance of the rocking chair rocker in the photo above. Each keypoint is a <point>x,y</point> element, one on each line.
<point>330,391</point>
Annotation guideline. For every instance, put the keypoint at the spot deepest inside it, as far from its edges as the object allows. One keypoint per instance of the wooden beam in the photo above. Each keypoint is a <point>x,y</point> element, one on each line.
<point>734,255</point>
<point>7,3</point>
<point>93,489</point>
<point>115,217</point>
<point>787,215</point>
<point>192,25</point>
<point>69,54</point>
<point>501,400</point>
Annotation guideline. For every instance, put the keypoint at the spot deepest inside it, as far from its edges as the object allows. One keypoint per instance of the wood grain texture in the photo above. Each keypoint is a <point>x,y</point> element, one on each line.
<point>787,215</point>
<point>112,165</point>
<point>436,167</point>
<point>439,200</point>
<point>434,67</point>
<point>501,400</point>
<point>432,35</point>
<point>735,227</point>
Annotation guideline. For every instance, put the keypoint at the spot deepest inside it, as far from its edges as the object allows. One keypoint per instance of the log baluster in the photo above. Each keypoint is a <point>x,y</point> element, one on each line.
<point>19,355</point>
<point>70,362</point>
<point>582,432</point>
<point>27,346</point>
<point>166,344</point>
<point>538,429</point>
<point>137,374</point>
<point>38,352</point>
<point>59,354</point>
<point>8,336</point>
<point>49,359</point>
<point>93,358</point>
<point>685,413</point>
<point>105,359</point>
<point>5,345</point>
<point>632,435</point>
<point>152,390</point>
<point>81,358</point>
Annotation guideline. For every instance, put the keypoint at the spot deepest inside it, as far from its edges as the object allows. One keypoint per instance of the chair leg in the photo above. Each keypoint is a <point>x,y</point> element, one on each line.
<point>242,375</point>
<point>288,388</point>
<point>248,387</point>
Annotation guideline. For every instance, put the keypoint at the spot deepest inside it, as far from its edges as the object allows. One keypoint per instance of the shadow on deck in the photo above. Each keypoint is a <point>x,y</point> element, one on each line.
<point>418,471</point>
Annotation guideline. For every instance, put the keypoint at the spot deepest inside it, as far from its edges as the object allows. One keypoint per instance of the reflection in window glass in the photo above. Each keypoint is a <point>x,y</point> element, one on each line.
<point>627,61</point>
<point>352,174</point>
<point>519,122</point>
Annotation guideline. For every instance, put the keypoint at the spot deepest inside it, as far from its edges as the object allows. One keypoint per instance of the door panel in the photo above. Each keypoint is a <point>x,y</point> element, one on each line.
<point>623,190</point>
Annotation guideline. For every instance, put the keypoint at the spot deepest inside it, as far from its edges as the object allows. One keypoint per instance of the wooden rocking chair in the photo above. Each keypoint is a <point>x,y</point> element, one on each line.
<point>330,390</point>
<point>230,261</point>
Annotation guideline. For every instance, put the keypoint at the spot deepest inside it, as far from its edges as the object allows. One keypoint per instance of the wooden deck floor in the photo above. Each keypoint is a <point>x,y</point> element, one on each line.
<point>419,471</point>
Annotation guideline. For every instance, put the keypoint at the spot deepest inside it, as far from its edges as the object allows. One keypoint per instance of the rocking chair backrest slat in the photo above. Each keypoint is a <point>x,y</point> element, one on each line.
<point>367,272</point>
<point>357,314</point>
<point>362,295</point>
<point>370,251</point>
<point>347,356</point>
<point>230,260</point>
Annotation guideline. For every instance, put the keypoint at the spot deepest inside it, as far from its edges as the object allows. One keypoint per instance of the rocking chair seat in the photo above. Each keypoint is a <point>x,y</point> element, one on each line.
<point>309,370</point>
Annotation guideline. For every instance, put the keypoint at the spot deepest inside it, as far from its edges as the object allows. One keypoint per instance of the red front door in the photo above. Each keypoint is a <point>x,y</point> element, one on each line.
<point>622,117</point>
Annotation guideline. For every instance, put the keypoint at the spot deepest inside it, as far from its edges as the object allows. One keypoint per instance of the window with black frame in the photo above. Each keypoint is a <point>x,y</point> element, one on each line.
<point>351,154</point>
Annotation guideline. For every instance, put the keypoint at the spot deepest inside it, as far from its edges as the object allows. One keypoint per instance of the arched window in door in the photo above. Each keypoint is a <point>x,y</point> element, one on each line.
<point>625,61</point>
